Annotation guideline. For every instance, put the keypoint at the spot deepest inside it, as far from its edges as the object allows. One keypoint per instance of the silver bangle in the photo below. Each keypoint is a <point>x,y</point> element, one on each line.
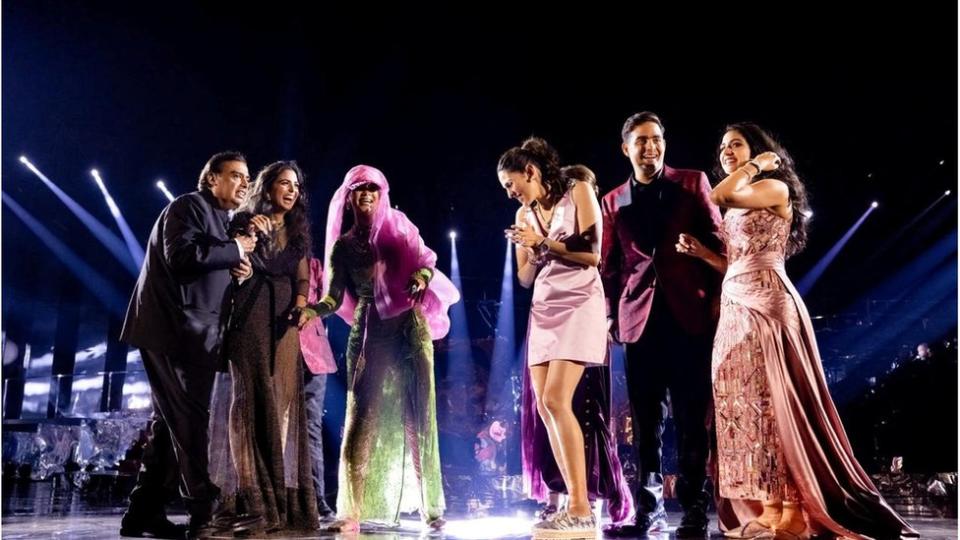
<point>542,248</point>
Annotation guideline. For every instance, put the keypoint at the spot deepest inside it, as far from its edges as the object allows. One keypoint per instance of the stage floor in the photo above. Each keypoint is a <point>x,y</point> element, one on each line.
<point>40,510</point>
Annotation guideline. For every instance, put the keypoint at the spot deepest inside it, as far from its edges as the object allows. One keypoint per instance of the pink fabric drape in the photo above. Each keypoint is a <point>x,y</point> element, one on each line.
<point>400,251</point>
<point>836,493</point>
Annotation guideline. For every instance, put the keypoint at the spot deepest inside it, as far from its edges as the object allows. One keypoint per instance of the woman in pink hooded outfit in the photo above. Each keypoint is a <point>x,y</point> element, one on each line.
<point>383,282</point>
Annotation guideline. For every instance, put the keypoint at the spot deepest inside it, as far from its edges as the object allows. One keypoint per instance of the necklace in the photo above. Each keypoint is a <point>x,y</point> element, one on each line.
<point>547,221</point>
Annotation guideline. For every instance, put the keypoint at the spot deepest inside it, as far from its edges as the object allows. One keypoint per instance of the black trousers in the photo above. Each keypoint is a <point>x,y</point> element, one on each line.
<point>176,453</point>
<point>666,358</point>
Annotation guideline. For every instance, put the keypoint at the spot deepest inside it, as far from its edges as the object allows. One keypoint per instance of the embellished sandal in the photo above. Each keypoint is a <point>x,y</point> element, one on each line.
<point>751,529</point>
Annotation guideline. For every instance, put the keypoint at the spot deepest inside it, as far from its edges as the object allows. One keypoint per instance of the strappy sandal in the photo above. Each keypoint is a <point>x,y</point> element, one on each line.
<point>750,530</point>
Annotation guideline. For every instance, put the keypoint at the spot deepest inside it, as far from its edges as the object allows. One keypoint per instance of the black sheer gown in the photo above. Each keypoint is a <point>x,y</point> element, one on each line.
<point>259,453</point>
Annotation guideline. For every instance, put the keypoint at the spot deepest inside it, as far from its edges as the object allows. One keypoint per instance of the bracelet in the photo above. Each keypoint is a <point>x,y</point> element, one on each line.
<point>425,274</point>
<point>754,163</point>
<point>542,249</point>
<point>542,246</point>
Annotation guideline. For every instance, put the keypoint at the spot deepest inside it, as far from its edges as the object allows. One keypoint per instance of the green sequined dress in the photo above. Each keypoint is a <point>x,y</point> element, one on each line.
<point>390,458</point>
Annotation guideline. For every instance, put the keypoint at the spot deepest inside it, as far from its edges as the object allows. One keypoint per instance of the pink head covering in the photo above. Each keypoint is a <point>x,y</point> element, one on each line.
<point>390,233</point>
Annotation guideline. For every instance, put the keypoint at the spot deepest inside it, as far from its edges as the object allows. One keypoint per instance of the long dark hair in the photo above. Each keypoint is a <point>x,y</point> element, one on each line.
<point>536,151</point>
<point>581,173</point>
<point>759,140</point>
<point>297,220</point>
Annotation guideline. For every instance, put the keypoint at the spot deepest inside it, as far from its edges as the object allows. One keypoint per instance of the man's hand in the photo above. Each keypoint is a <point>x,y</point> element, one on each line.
<point>243,270</point>
<point>247,243</point>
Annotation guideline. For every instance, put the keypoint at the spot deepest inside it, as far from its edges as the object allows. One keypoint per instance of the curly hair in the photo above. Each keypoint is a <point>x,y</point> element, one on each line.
<point>759,140</point>
<point>297,220</point>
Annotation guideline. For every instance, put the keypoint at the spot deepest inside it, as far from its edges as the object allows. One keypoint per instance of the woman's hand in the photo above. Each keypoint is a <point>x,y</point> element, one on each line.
<point>306,314</point>
<point>262,224</point>
<point>767,161</point>
<point>524,235</point>
<point>417,288</point>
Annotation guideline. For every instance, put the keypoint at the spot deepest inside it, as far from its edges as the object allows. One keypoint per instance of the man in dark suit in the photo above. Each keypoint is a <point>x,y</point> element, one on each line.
<point>660,304</point>
<point>175,318</point>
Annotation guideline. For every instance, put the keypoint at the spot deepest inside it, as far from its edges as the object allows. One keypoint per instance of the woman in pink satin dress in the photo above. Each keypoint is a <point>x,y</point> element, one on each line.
<point>786,468</point>
<point>557,235</point>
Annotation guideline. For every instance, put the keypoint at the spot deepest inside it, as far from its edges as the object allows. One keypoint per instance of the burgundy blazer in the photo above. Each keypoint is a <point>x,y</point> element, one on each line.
<point>630,274</point>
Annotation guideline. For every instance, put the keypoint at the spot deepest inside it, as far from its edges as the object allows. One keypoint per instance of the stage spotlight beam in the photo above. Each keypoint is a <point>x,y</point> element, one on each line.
<point>460,360</point>
<point>111,204</point>
<point>895,239</point>
<point>808,281</point>
<point>503,360</point>
<point>163,188</point>
<point>100,231</point>
<point>93,280</point>
<point>133,245</point>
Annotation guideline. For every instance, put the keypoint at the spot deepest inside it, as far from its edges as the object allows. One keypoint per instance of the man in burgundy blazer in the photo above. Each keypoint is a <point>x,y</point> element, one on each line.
<point>662,305</point>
